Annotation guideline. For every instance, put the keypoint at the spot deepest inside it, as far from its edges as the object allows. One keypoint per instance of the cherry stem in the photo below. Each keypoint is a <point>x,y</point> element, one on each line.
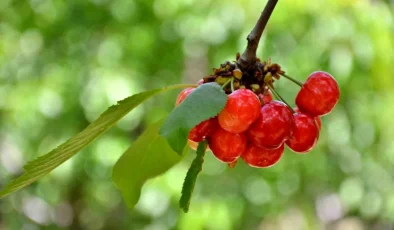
<point>277,95</point>
<point>232,84</point>
<point>227,82</point>
<point>292,79</point>
<point>248,58</point>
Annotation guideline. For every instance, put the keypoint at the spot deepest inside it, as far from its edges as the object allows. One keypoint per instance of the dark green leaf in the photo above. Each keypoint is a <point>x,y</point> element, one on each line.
<point>149,156</point>
<point>46,163</point>
<point>204,102</point>
<point>191,177</point>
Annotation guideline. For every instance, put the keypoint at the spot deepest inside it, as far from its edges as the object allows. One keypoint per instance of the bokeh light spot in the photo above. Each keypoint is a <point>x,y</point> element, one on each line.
<point>351,192</point>
<point>31,42</point>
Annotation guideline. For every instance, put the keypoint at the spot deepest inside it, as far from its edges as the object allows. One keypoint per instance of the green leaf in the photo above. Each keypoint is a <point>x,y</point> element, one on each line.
<point>191,177</point>
<point>46,163</point>
<point>149,156</point>
<point>204,102</point>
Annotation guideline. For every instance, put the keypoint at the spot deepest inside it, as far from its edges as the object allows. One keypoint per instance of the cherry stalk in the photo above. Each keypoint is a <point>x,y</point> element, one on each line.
<point>248,58</point>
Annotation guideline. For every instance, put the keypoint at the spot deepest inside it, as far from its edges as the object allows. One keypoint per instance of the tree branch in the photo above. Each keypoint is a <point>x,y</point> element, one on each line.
<point>248,58</point>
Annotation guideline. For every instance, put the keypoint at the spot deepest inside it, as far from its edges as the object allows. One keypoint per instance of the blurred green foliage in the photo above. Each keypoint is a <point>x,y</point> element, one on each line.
<point>62,63</point>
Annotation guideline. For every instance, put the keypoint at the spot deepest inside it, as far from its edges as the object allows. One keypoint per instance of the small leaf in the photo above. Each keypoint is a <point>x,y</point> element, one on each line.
<point>204,102</point>
<point>149,156</point>
<point>46,163</point>
<point>191,177</point>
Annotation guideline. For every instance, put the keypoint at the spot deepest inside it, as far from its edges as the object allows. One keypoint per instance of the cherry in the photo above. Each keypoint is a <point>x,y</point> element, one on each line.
<point>318,95</point>
<point>182,95</point>
<point>262,157</point>
<point>265,97</point>
<point>202,130</point>
<point>317,119</point>
<point>226,146</point>
<point>241,110</point>
<point>273,127</point>
<point>305,133</point>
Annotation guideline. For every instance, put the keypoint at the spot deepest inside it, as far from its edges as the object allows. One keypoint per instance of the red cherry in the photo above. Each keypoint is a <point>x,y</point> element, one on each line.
<point>226,146</point>
<point>204,129</point>
<point>318,95</point>
<point>262,157</point>
<point>241,110</point>
<point>317,119</point>
<point>273,127</point>
<point>305,134</point>
<point>265,97</point>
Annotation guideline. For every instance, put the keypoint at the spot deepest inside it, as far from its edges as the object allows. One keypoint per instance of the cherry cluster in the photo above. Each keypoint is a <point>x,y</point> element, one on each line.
<point>256,128</point>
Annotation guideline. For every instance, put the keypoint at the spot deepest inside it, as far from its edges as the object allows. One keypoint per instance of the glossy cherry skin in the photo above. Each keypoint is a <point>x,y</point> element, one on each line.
<point>241,110</point>
<point>318,95</point>
<point>202,130</point>
<point>226,146</point>
<point>305,134</point>
<point>317,119</point>
<point>273,127</point>
<point>265,97</point>
<point>261,157</point>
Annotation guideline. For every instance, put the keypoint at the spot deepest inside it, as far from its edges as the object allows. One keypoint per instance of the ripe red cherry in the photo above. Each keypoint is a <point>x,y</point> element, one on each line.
<point>318,95</point>
<point>262,157</point>
<point>317,119</point>
<point>241,110</point>
<point>226,146</point>
<point>182,95</point>
<point>202,130</point>
<point>273,127</point>
<point>305,134</point>
<point>265,97</point>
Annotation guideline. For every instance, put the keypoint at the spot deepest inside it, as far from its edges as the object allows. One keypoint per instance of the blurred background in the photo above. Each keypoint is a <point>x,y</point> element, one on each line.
<point>62,63</point>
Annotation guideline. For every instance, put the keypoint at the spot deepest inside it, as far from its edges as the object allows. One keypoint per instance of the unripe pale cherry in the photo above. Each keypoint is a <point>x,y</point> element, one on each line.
<point>305,134</point>
<point>226,146</point>
<point>242,109</point>
<point>318,95</point>
<point>273,127</point>
<point>261,157</point>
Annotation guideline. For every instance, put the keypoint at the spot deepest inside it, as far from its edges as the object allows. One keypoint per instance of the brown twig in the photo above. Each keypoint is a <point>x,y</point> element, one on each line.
<point>248,58</point>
